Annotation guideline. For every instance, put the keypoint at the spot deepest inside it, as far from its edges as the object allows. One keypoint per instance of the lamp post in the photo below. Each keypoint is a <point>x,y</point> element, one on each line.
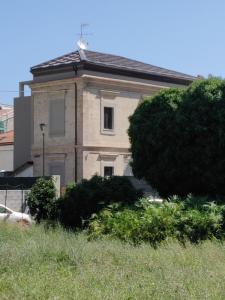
<point>42,127</point>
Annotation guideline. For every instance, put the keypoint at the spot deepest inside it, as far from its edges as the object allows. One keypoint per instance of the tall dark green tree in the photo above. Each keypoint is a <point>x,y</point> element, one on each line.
<point>178,139</point>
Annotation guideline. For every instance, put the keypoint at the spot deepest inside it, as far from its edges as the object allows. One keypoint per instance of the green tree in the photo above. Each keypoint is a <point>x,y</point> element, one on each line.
<point>83,199</point>
<point>42,201</point>
<point>178,139</point>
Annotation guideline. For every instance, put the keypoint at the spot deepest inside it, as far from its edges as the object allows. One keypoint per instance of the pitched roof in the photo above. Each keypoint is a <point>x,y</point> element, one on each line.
<point>113,62</point>
<point>7,138</point>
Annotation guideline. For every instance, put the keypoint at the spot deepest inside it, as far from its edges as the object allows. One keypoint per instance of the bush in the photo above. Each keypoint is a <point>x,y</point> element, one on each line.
<point>90,196</point>
<point>178,139</point>
<point>42,201</point>
<point>155,223</point>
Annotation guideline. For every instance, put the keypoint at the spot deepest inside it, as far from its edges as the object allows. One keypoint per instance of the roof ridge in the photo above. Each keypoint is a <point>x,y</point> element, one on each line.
<point>82,55</point>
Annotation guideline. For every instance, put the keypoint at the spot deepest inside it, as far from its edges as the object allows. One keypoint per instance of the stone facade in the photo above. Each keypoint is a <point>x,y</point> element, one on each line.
<point>86,148</point>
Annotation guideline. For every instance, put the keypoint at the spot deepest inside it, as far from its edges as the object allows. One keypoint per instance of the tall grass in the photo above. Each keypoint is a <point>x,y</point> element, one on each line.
<point>37,263</point>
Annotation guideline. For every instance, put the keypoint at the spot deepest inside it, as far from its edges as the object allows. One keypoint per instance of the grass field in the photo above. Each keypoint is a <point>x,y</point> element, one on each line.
<point>54,264</point>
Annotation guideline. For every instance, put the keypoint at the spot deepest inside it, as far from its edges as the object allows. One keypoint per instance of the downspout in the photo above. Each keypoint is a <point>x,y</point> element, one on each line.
<point>75,119</point>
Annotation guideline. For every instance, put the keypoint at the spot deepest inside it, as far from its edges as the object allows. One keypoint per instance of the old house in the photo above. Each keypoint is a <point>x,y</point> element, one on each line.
<point>83,100</point>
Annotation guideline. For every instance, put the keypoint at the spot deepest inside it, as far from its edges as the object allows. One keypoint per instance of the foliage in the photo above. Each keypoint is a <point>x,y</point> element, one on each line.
<point>155,223</point>
<point>42,201</point>
<point>55,264</point>
<point>83,199</point>
<point>178,139</point>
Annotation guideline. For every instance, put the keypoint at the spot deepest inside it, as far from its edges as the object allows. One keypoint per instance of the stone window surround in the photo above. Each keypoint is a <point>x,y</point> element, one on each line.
<point>107,99</point>
<point>107,160</point>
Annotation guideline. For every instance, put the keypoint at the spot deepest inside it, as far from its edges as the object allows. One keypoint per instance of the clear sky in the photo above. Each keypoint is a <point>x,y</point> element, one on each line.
<point>183,35</point>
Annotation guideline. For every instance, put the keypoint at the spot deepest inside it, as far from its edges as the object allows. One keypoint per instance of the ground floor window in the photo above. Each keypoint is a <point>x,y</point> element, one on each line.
<point>108,171</point>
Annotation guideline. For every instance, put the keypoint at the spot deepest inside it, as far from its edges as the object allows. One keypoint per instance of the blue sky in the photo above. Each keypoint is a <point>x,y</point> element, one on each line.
<point>186,36</point>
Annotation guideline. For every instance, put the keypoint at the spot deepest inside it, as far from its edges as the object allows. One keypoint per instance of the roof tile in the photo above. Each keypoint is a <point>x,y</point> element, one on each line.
<point>109,60</point>
<point>7,138</point>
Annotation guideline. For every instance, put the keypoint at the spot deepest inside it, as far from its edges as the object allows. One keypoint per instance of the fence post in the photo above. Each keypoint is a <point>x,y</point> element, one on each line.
<point>6,192</point>
<point>22,200</point>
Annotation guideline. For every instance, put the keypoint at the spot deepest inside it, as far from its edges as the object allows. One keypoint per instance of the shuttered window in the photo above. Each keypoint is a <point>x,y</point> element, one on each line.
<point>58,168</point>
<point>57,117</point>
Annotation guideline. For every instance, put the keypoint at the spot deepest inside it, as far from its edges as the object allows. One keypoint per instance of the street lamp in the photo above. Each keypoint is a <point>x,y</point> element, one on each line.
<point>42,127</point>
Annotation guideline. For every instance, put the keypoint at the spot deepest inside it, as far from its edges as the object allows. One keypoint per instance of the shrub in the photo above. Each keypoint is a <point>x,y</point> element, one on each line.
<point>90,196</point>
<point>42,201</point>
<point>178,139</point>
<point>155,223</point>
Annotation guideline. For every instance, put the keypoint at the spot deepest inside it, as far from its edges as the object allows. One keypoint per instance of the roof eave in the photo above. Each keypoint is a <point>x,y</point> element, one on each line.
<point>93,66</point>
<point>137,74</point>
<point>55,69</point>
<point>6,143</point>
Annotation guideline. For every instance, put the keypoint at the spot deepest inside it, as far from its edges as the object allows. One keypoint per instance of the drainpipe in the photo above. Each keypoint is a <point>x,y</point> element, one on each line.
<point>75,117</point>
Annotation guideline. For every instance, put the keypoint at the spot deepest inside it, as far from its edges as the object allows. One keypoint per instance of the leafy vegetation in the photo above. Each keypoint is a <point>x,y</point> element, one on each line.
<point>178,139</point>
<point>42,201</point>
<point>83,199</point>
<point>54,264</point>
<point>155,223</point>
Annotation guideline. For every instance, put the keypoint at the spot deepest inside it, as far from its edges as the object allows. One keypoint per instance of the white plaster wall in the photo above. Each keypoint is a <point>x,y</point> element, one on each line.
<point>6,157</point>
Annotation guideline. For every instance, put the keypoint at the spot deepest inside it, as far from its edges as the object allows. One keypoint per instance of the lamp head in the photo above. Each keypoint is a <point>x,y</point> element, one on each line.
<point>42,126</point>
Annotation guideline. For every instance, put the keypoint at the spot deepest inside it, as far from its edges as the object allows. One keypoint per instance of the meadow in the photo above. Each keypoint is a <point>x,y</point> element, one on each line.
<point>40,263</point>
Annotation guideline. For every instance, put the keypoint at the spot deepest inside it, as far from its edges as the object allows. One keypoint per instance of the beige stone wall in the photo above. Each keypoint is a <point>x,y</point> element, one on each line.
<point>124,104</point>
<point>109,149</point>
<point>95,149</point>
<point>57,148</point>
<point>94,162</point>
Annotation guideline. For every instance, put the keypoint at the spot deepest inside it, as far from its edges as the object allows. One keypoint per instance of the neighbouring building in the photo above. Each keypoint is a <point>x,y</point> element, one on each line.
<point>6,138</point>
<point>6,118</point>
<point>23,120</point>
<point>84,99</point>
<point>6,152</point>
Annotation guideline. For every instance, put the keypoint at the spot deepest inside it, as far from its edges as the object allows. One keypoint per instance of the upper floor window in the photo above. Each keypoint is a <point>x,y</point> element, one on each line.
<point>57,117</point>
<point>108,118</point>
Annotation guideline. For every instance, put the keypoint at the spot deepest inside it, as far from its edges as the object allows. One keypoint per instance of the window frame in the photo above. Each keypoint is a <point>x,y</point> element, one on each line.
<point>110,109</point>
<point>106,166</point>
<point>108,104</point>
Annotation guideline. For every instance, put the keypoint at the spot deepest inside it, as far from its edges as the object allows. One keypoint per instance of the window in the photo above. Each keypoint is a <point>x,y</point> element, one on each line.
<point>2,210</point>
<point>108,171</point>
<point>58,168</point>
<point>2,127</point>
<point>108,118</point>
<point>57,117</point>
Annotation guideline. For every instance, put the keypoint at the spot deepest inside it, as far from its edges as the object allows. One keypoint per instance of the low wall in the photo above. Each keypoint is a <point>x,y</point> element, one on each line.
<point>14,199</point>
<point>14,190</point>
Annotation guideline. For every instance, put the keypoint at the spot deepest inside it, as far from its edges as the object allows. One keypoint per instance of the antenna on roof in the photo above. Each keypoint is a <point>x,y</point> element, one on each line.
<point>82,44</point>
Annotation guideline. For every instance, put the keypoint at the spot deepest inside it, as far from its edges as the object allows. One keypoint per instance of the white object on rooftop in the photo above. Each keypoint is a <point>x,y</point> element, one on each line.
<point>82,44</point>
